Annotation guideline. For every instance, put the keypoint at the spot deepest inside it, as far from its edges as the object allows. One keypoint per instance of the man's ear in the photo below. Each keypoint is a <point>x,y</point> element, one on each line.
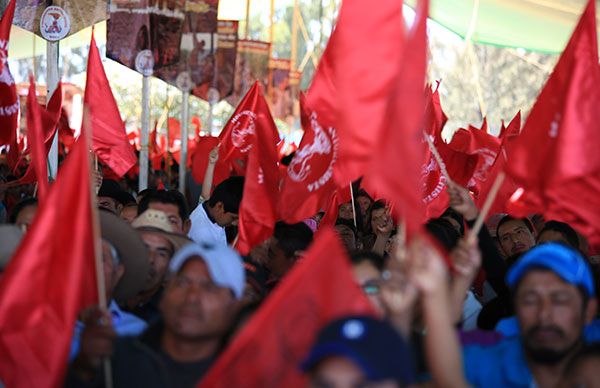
<point>187,225</point>
<point>119,273</point>
<point>590,310</point>
<point>119,208</point>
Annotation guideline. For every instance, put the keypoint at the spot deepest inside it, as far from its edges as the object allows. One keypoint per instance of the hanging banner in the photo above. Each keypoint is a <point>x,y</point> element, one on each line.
<point>252,65</point>
<point>219,82</point>
<point>145,35</point>
<point>78,13</point>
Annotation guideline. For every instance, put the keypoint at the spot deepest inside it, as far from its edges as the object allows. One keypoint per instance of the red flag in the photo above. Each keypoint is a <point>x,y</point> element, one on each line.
<point>477,142</point>
<point>174,128</point>
<point>200,161</point>
<point>509,134</point>
<point>9,101</point>
<point>309,179</point>
<point>49,117</point>
<point>555,160</point>
<point>49,279</point>
<point>366,54</point>
<point>237,136</point>
<point>110,141</point>
<point>35,134</point>
<point>269,349</point>
<point>261,186</point>
<point>400,143</point>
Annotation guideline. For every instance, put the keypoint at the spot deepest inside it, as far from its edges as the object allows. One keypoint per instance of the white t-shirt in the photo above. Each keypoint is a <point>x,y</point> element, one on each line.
<point>204,230</point>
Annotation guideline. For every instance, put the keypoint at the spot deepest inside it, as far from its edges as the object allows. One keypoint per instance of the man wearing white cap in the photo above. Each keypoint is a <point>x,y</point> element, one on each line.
<point>197,309</point>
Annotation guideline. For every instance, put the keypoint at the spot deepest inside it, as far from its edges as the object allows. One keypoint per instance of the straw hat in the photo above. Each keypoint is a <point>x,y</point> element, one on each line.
<point>156,221</point>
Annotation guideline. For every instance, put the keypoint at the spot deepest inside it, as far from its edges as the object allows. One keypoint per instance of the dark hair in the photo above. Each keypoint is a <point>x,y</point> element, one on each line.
<point>444,232</point>
<point>508,218</point>
<point>230,193</point>
<point>170,197</point>
<point>564,229</point>
<point>363,193</point>
<point>20,206</point>
<point>292,237</point>
<point>348,223</point>
<point>286,160</point>
<point>374,258</point>
<point>456,216</point>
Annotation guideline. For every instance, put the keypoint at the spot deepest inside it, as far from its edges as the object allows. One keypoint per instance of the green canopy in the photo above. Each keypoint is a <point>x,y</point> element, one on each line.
<point>535,25</point>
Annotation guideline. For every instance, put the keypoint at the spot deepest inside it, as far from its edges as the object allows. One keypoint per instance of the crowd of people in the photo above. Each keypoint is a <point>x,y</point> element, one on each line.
<point>514,307</point>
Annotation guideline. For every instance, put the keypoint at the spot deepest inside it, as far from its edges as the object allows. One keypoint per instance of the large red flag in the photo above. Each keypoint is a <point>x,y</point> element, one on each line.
<point>508,187</point>
<point>49,279</point>
<point>268,351</point>
<point>110,141</point>
<point>555,160</point>
<point>49,120</point>
<point>35,134</point>
<point>309,179</point>
<point>237,135</point>
<point>200,161</point>
<point>261,186</point>
<point>400,143</point>
<point>365,55</point>
<point>9,101</point>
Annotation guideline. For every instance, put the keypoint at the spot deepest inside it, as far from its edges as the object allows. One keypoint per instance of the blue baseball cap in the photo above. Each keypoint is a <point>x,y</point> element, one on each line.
<point>564,261</point>
<point>373,345</point>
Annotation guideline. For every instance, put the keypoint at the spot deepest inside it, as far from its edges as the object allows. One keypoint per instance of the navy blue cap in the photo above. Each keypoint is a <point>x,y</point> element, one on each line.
<point>564,261</point>
<point>373,345</point>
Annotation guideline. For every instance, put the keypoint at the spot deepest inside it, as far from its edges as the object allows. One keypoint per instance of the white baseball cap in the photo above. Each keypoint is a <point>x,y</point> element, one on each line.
<point>224,264</point>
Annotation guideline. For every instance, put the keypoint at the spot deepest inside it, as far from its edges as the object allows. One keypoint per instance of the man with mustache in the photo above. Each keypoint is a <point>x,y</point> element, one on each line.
<point>516,235</point>
<point>554,299</point>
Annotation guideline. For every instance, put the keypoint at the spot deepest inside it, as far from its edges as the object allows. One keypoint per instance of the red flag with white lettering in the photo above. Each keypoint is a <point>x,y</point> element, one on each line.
<point>9,102</point>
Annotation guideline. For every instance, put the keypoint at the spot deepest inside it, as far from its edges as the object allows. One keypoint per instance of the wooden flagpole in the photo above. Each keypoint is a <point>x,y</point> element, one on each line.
<point>486,206</point>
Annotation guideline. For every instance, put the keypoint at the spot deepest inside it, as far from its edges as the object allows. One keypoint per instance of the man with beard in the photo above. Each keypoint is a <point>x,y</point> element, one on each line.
<point>554,298</point>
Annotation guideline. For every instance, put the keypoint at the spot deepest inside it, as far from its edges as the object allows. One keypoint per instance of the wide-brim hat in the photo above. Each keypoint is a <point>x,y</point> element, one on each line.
<point>156,221</point>
<point>133,254</point>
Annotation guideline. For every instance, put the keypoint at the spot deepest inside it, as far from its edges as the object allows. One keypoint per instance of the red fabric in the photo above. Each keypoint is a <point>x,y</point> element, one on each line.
<point>400,142</point>
<point>200,161</point>
<point>49,279</point>
<point>338,197</point>
<point>309,182</point>
<point>36,137</point>
<point>485,147</point>
<point>555,159</point>
<point>366,54</point>
<point>237,136</point>
<point>110,141</point>
<point>9,101</point>
<point>272,345</point>
<point>174,128</point>
<point>508,187</point>
<point>49,120</point>
<point>258,208</point>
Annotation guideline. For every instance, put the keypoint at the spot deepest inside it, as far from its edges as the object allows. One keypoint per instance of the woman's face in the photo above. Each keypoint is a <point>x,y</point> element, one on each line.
<point>345,211</point>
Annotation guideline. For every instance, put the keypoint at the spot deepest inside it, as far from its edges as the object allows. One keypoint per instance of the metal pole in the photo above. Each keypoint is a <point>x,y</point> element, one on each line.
<point>145,135</point>
<point>247,29</point>
<point>294,58</point>
<point>185,118</point>
<point>52,78</point>
<point>210,117</point>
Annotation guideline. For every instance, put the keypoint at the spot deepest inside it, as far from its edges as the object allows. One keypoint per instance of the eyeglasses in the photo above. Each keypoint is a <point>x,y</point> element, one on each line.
<point>371,288</point>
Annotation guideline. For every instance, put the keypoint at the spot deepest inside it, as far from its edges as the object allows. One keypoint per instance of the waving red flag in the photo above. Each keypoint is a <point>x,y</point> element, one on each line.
<point>400,142</point>
<point>332,208</point>
<point>261,186</point>
<point>200,161</point>
<point>309,179</point>
<point>269,349</point>
<point>110,141</point>
<point>9,101</point>
<point>50,118</point>
<point>555,160</point>
<point>49,279</point>
<point>35,135</point>
<point>365,54</point>
<point>237,137</point>
<point>477,142</point>
<point>508,187</point>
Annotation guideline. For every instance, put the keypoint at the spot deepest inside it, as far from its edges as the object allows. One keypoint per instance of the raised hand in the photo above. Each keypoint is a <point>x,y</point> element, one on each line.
<point>461,201</point>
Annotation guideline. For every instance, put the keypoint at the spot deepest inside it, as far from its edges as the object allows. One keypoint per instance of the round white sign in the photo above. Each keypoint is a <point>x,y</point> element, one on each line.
<point>55,23</point>
<point>144,63</point>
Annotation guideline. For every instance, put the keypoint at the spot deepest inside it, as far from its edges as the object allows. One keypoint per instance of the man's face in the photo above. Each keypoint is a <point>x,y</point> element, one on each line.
<point>368,278</point>
<point>551,315</point>
<point>347,236</point>
<point>172,212</point>
<point>160,251</point>
<point>109,204</point>
<point>278,263</point>
<point>193,306</point>
<point>515,237</point>
<point>379,218</point>
<point>222,217</point>
<point>338,372</point>
<point>25,217</point>
<point>364,203</point>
